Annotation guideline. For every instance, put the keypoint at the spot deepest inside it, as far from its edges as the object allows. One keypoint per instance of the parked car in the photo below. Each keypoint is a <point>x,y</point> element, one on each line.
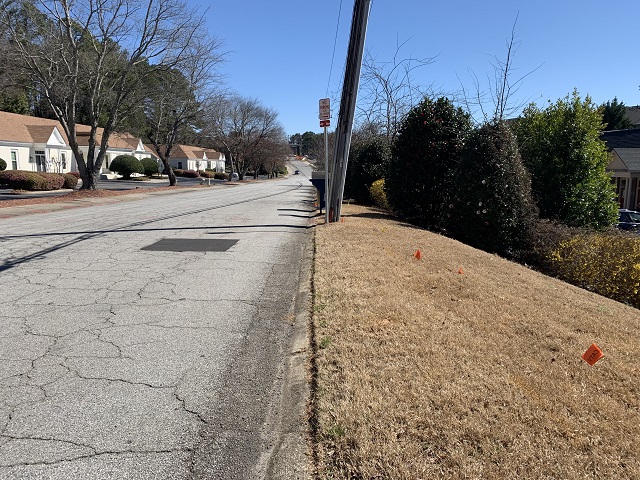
<point>628,220</point>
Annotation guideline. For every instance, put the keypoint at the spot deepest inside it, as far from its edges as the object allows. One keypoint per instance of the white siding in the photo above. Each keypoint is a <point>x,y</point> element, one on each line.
<point>21,155</point>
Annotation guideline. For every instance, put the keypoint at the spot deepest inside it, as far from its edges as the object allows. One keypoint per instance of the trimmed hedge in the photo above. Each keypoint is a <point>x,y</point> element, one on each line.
<point>126,165</point>
<point>75,174</point>
<point>53,181</point>
<point>178,172</point>
<point>221,176</point>
<point>490,206</point>
<point>206,174</point>
<point>22,180</point>
<point>3,165</point>
<point>150,166</point>
<point>70,181</point>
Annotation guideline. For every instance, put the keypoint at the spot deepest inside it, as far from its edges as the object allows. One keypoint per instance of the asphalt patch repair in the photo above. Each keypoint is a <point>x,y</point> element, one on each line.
<point>461,364</point>
<point>191,245</point>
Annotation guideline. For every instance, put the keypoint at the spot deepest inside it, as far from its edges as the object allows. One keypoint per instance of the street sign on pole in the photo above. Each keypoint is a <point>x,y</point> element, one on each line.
<point>325,123</point>
<point>325,109</point>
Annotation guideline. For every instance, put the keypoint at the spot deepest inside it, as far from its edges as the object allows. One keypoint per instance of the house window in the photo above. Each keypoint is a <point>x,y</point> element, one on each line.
<point>63,159</point>
<point>179,165</point>
<point>41,161</point>
<point>14,159</point>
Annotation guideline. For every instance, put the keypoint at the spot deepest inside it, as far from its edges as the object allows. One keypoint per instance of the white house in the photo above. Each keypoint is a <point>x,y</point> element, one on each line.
<point>188,157</point>
<point>40,144</point>
<point>36,144</point>
<point>624,147</point>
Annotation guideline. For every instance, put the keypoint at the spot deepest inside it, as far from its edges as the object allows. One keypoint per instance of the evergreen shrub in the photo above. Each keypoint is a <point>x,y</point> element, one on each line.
<point>150,166</point>
<point>126,165</point>
<point>53,181</point>
<point>22,180</point>
<point>424,157</point>
<point>491,207</point>
<point>70,181</point>
<point>368,162</point>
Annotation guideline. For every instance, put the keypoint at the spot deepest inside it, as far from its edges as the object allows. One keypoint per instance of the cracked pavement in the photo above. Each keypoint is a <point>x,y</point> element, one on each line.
<point>119,363</point>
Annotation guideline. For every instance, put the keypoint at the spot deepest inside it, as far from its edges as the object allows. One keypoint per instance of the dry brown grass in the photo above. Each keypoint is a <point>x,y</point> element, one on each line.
<point>424,372</point>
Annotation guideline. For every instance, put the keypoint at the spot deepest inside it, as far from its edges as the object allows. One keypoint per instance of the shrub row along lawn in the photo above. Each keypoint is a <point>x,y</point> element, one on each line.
<point>463,364</point>
<point>25,180</point>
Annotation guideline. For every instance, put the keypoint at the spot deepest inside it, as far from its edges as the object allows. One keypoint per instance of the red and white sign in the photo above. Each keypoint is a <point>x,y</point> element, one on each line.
<point>325,123</point>
<point>325,109</point>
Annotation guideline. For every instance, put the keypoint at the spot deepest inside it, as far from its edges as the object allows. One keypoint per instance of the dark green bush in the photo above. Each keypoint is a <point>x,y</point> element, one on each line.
<point>491,207</point>
<point>3,165</point>
<point>126,165</point>
<point>70,181</point>
<point>221,176</point>
<point>22,180</point>
<point>562,149</point>
<point>368,162</point>
<point>424,157</point>
<point>150,166</point>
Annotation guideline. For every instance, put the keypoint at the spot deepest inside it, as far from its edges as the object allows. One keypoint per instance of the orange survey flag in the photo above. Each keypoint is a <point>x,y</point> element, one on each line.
<point>592,355</point>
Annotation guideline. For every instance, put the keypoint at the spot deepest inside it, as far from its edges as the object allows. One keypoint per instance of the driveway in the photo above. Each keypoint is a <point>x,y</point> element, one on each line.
<point>159,338</point>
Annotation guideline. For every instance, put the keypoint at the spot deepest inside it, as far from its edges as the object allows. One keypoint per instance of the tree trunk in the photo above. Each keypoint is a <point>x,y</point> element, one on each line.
<point>91,182</point>
<point>172,177</point>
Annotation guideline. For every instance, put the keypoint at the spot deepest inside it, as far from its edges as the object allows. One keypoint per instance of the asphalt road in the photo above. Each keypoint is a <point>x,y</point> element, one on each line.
<point>119,362</point>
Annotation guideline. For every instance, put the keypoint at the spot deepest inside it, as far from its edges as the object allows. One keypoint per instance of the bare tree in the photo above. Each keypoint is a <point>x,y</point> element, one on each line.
<point>388,92</point>
<point>96,53</point>
<point>240,127</point>
<point>176,99</point>
<point>271,155</point>
<point>501,89</point>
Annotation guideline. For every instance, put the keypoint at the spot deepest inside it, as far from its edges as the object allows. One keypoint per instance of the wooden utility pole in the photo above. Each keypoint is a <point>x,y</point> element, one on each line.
<point>347,107</point>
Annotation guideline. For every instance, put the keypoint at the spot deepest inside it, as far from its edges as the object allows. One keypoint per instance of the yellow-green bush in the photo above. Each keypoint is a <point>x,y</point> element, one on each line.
<point>378,195</point>
<point>605,263</point>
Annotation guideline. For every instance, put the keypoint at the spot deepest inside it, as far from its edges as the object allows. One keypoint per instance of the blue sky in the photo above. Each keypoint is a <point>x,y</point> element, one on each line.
<point>280,51</point>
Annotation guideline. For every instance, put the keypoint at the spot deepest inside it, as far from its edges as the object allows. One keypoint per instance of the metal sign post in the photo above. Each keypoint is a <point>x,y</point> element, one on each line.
<point>325,115</point>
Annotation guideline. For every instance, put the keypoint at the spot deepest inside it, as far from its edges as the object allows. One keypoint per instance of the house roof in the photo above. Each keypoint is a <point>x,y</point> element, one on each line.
<point>616,139</point>
<point>189,152</point>
<point>27,129</point>
<point>633,114</point>
<point>630,157</point>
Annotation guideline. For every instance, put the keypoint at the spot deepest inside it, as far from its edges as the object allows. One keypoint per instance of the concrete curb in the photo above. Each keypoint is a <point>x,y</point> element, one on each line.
<point>290,459</point>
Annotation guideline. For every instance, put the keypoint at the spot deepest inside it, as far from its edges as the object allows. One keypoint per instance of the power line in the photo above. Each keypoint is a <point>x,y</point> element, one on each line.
<point>335,41</point>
